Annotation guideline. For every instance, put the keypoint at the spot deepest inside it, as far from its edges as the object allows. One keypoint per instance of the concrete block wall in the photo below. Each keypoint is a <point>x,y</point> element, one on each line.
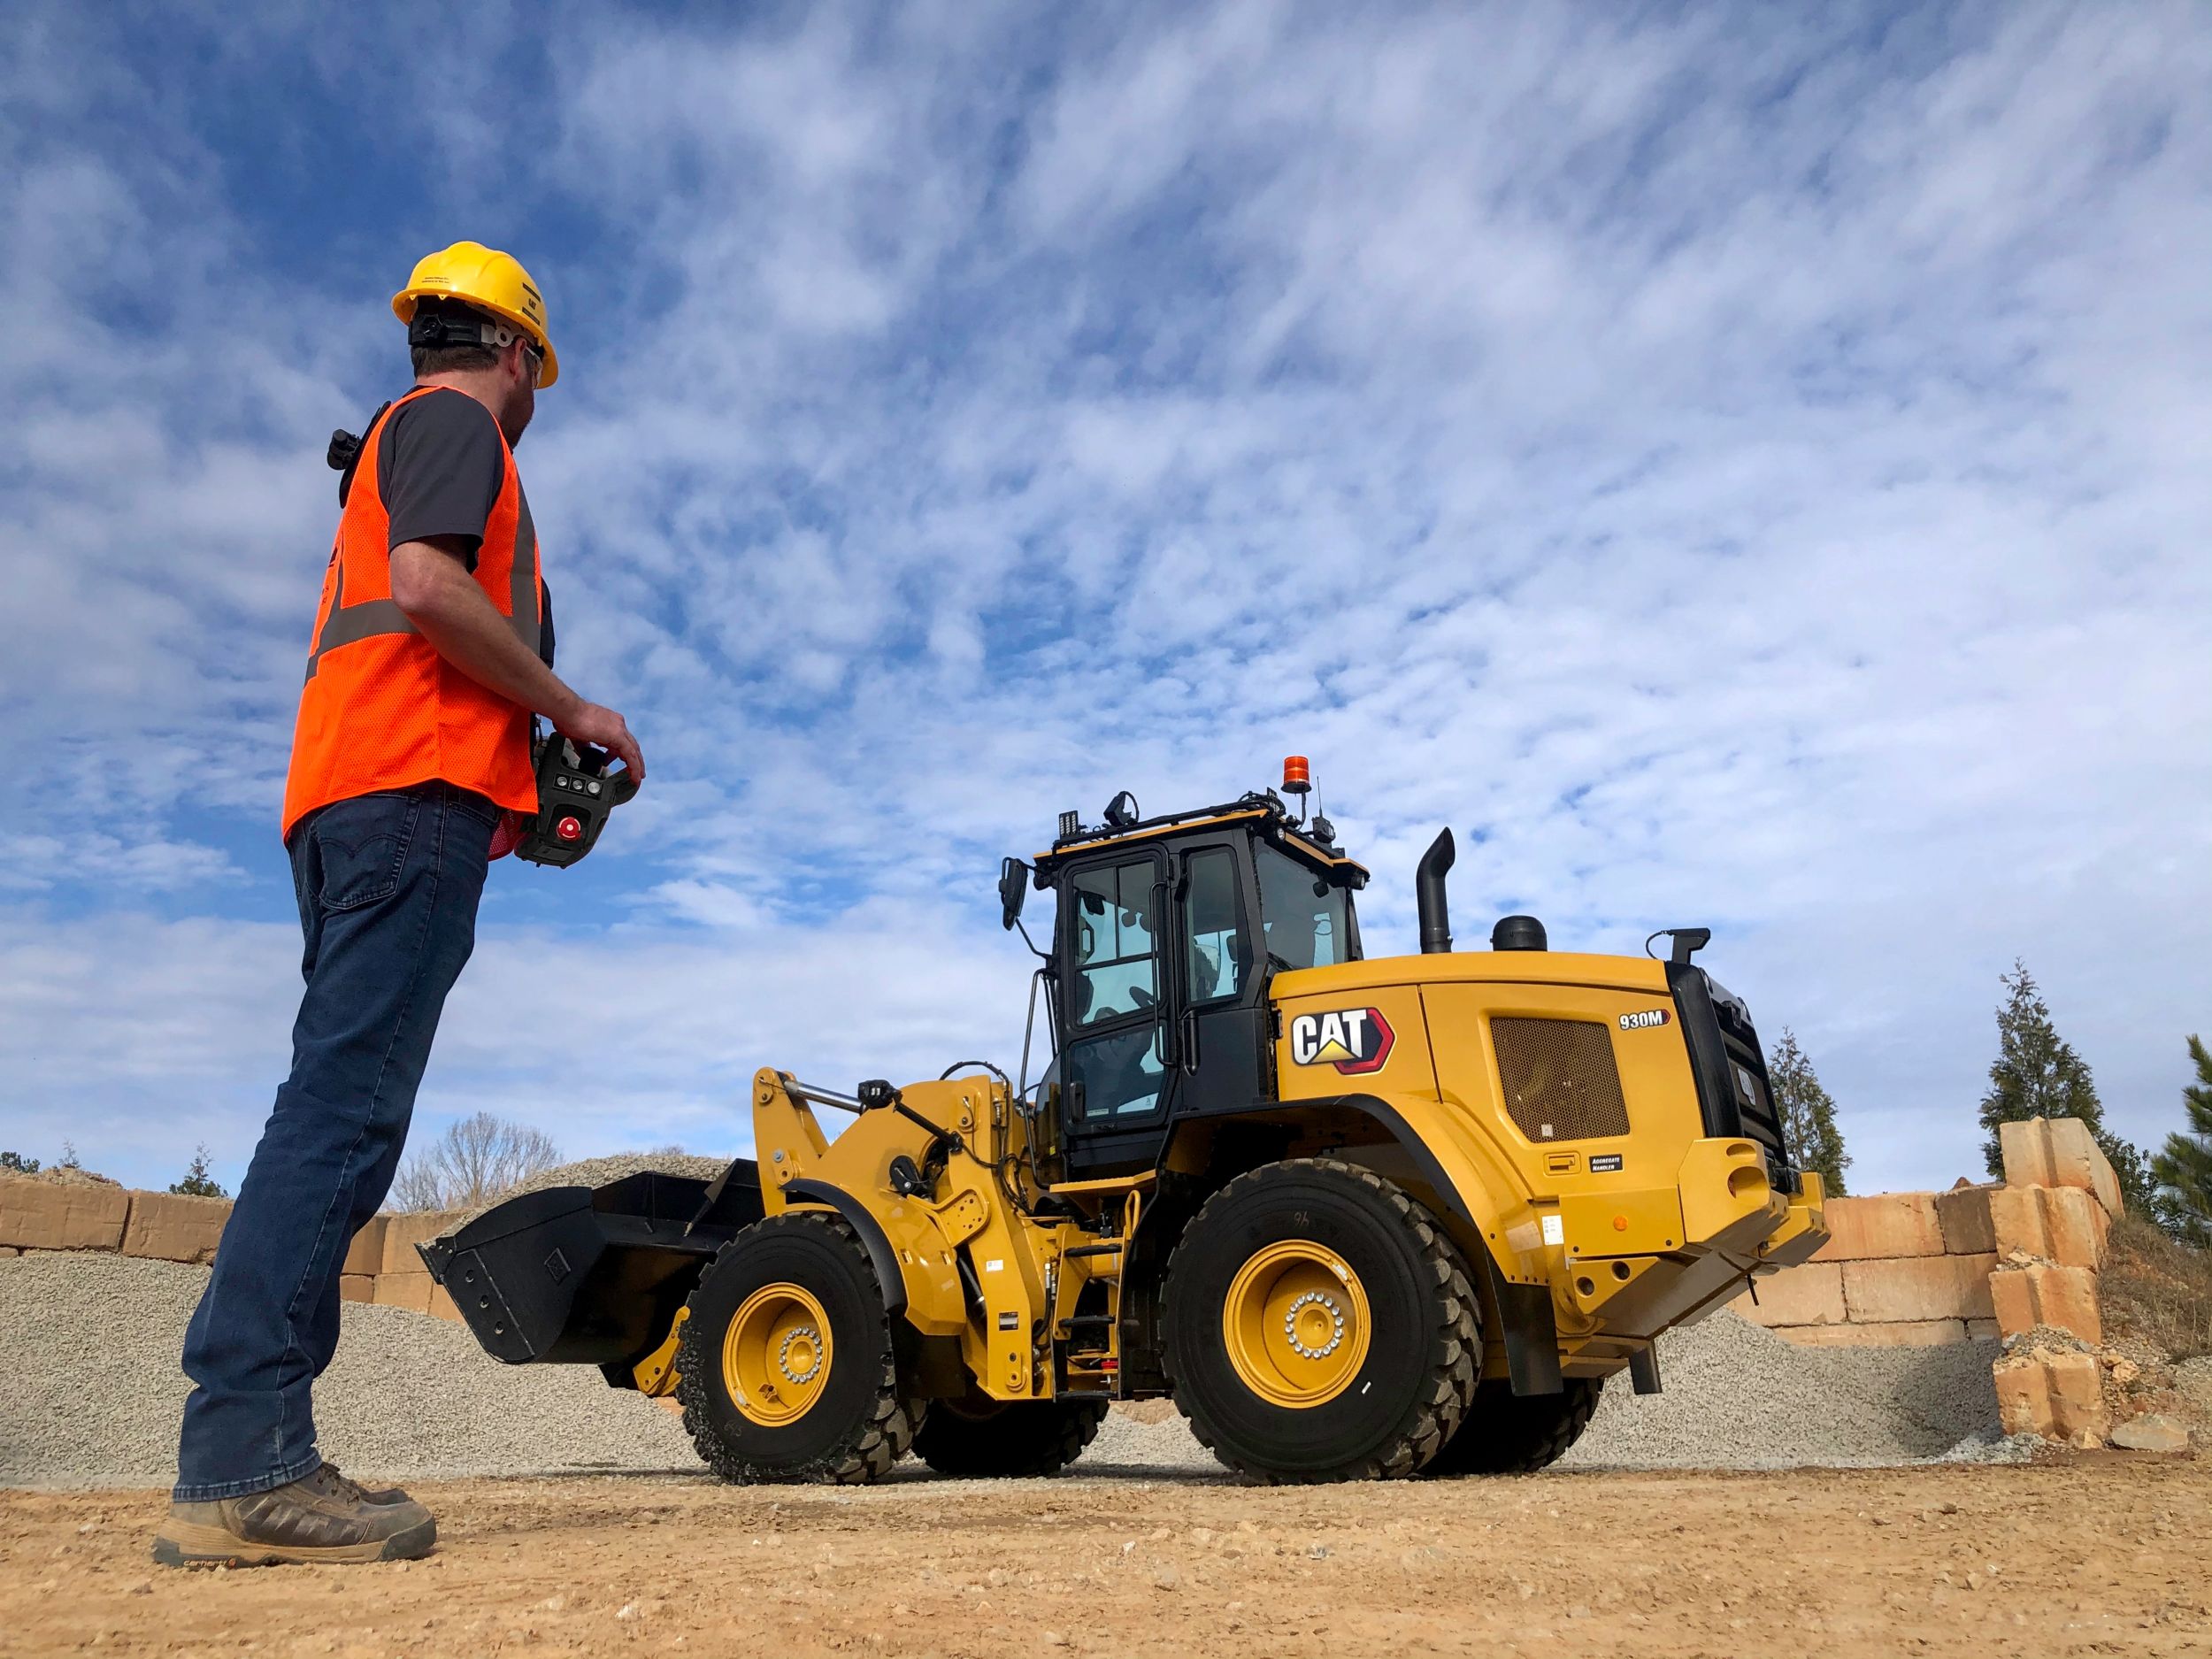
<point>381,1262</point>
<point>1899,1270</point>
<point>1999,1260</point>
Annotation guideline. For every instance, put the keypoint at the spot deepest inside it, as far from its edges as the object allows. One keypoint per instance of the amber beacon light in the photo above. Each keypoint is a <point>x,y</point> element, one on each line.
<point>1297,776</point>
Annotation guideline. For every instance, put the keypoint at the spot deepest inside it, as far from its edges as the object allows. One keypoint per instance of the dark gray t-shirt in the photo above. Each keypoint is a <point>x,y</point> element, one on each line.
<point>439,467</point>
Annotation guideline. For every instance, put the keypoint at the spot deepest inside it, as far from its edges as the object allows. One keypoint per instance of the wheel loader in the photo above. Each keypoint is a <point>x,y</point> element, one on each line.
<point>1358,1217</point>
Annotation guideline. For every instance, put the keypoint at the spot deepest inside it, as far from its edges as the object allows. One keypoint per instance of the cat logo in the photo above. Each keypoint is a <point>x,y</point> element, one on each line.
<point>1352,1040</point>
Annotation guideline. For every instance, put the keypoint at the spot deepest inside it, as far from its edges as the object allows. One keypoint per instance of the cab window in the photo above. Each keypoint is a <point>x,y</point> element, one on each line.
<point>1214,951</point>
<point>1116,1074</point>
<point>1116,957</point>
<point>1304,921</point>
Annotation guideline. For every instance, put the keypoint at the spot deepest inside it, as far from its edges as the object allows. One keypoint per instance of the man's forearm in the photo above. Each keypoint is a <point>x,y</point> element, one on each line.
<point>458,618</point>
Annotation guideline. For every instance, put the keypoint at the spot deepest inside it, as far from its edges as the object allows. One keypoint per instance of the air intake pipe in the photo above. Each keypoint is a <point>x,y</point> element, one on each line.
<point>1428,892</point>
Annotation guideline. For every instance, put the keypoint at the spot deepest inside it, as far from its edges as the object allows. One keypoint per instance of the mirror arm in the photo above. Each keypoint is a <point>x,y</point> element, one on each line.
<point>1022,928</point>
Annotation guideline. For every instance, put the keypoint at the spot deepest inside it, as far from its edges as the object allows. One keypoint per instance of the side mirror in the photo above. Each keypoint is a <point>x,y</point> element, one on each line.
<point>1013,887</point>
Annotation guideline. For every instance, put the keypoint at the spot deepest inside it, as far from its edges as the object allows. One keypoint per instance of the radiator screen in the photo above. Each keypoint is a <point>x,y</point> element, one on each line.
<point>1560,1081</point>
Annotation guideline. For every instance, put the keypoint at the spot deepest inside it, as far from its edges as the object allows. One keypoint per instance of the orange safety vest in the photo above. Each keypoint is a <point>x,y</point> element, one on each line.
<point>382,709</point>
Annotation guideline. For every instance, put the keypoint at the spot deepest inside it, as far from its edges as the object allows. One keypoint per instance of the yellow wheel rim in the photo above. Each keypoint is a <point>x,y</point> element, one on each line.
<point>776,1355</point>
<point>1296,1324</point>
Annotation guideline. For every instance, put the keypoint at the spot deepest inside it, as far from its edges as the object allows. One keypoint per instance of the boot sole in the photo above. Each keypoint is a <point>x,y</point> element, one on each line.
<point>188,1545</point>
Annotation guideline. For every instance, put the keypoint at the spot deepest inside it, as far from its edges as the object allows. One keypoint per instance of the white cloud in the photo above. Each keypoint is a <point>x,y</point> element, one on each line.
<point>1751,476</point>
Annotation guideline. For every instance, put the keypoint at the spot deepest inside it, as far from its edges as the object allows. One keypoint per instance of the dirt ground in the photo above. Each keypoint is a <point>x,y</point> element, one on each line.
<point>2101,1556</point>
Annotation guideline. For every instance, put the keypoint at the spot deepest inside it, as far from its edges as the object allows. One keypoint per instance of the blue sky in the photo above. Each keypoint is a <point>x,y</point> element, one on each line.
<point>1734,467</point>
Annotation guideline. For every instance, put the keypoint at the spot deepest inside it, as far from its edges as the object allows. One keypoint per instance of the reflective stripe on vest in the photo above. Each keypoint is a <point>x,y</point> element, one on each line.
<point>369,618</point>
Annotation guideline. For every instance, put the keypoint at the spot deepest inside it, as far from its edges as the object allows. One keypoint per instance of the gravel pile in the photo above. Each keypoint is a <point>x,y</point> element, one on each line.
<point>89,1345</point>
<point>601,1172</point>
<point>1738,1396</point>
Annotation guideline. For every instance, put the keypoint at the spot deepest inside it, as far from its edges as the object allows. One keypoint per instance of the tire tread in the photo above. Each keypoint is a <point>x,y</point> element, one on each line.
<point>870,1450</point>
<point>1454,1352</point>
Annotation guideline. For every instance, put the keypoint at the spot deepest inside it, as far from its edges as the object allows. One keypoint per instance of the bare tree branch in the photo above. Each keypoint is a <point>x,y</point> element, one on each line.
<point>477,1159</point>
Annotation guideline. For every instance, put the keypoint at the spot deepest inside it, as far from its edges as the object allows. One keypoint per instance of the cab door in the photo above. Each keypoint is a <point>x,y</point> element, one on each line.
<point>1115,1053</point>
<point>1220,1043</point>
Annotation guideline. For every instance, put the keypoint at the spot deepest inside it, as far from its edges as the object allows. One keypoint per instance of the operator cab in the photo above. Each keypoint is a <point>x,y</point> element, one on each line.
<point>1169,932</point>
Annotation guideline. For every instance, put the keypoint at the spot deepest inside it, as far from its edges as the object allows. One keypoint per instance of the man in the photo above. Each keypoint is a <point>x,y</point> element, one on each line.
<point>432,647</point>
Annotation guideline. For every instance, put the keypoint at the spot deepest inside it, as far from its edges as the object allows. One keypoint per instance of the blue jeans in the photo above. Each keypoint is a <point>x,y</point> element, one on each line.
<point>387,888</point>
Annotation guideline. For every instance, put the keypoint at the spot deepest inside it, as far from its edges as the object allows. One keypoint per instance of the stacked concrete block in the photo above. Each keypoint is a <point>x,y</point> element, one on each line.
<point>1918,1290</point>
<point>56,1216</point>
<point>410,1291</point>
<point>1888,1225</point>
<point>1964,1212</point>
<point>1806,1298</point>
<point>2050,1223</point>
<point>2041,1293</point>
<point>2058,1152</point>
<point>403,1234</point>
<point>364,1255</point>
<point>401,1282</point>
<point>1899,1270</point>
<point>2058,1395</point>
<point>2055,1223</point>
<point>171,1227</point>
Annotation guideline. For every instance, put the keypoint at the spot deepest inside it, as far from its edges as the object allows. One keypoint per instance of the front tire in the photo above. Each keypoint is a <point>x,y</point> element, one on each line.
<point>787,1370</point>
<point>1506,1434</point>
<point>986,1438</point>
<point>1319,1325</point>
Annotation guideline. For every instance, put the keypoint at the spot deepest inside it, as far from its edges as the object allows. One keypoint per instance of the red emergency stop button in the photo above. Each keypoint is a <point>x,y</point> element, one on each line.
<point>569,830</point>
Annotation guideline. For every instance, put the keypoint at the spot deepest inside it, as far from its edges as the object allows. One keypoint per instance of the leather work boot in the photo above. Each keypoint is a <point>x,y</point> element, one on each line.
<point>323,1518</point>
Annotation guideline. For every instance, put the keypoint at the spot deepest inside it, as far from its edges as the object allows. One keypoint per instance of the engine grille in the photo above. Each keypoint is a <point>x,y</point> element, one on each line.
<point>1560,1081</point>
<point>1747,1075</point>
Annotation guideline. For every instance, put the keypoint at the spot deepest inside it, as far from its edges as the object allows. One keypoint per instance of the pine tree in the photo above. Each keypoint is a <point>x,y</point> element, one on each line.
<point>2183,1170</point>
<point>2037,1074</point>
<point>198,1182</point>
<point>1808,1114</point>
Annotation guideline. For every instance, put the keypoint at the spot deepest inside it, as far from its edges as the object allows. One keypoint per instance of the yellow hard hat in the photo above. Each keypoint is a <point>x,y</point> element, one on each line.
<point>489,279</point>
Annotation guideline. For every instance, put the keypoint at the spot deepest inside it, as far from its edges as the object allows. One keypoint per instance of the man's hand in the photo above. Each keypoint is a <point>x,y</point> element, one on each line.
<point>593,723</point>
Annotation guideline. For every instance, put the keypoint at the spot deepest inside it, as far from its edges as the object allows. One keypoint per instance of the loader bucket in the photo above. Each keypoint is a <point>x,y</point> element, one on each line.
<point>584,1276</point>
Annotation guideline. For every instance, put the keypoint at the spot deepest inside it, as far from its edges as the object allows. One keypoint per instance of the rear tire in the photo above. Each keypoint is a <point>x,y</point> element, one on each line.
<point>1506,1434</point>
<point>984,1439</point>
<point>787,1370</point>
<point>1319,1325</point>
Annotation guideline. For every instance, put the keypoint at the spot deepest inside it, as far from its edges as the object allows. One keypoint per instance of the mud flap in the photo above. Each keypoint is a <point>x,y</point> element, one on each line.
<point>1529,1333</point>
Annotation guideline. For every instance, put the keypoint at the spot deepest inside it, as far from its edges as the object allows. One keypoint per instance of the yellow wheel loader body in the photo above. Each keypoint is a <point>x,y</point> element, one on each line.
<point>1355,1215</point>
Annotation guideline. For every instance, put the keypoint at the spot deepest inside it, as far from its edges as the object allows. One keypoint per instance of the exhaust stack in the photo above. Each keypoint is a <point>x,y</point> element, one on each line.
<point>1428,892</point>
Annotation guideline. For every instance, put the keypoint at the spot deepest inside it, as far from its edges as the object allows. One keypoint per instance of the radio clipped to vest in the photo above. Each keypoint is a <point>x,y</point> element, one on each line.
<point>576,792</point>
